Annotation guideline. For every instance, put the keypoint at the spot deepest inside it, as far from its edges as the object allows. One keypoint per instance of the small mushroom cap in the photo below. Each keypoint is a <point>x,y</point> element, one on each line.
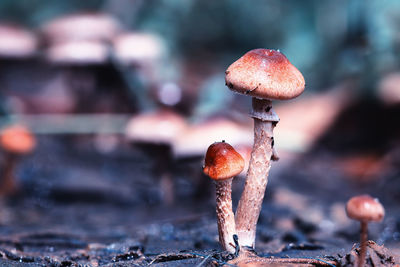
<point>266,74</point>
<point>365,208</point>
<point>222,161</point>
<point>17,139</point>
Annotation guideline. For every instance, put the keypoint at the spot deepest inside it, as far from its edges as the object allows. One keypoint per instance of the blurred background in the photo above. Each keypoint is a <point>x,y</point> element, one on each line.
<point>123,97</point>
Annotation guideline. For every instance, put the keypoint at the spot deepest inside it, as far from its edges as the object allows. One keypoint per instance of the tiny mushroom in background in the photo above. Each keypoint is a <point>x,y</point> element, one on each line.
<point>264,74</point>
<point>364,209</point>
<point>221,164</point>
<point>16,141</point>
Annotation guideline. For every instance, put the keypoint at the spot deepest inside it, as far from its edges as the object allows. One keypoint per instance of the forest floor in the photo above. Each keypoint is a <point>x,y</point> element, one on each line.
<point>78,207</point>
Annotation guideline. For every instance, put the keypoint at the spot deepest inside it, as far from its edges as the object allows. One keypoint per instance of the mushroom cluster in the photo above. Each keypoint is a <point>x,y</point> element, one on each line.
<point>265,75</point>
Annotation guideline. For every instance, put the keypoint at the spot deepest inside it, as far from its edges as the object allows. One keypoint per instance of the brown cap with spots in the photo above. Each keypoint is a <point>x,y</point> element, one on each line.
<point>365,208</point>
<point>266,74</point>
<point>17,139</point>
<point>222,161</point>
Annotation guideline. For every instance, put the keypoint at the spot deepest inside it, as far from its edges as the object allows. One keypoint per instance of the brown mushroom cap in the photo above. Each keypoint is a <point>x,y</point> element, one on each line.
<point>17,139</point>
<point>266,74</point>
<point>365,208</point>
<point>222,161</point>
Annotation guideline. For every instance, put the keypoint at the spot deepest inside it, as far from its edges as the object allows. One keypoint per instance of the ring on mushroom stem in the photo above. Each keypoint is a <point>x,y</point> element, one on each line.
<point>264,74</point>
<point>221,164</point>
<point>364,209</point>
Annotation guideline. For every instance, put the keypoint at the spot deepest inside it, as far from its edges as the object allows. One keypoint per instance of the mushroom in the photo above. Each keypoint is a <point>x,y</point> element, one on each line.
<point>15,140</point>
<point>365,209</point>
<point>138,57</point>
<point>222,163</point>
<point>154,133</point>
<point>77,45</point>
<point>264,74</point>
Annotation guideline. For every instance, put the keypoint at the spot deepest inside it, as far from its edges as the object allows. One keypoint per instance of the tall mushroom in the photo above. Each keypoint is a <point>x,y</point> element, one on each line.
<point>15,140</point>
<point>364,209</point>
<point>222,163</point>
<point>264,74</point>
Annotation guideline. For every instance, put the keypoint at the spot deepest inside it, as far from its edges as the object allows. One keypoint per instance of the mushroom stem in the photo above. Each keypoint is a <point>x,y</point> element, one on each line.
<point>250,203</point>
<point>8,184</point>
<point>363,243</point>
<point>225,217</point>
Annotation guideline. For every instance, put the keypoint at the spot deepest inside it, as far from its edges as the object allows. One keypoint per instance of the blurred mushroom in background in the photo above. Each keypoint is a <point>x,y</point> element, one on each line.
<point>194,141</point>
<point>78,48</point>
<point>154,133</point>
<point>17,42</point>
<point>86,52</point>
<point>139,58</point>
<point>81,26</point>
<point>306,119</point>
<point>389,89</point>
<point>15,141</point>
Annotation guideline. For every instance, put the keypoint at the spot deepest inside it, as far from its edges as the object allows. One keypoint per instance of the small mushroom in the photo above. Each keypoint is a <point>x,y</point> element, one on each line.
<point>364,209</point>
<point>264,74</point>
<point>222,163</point>
<point>15,140</point>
